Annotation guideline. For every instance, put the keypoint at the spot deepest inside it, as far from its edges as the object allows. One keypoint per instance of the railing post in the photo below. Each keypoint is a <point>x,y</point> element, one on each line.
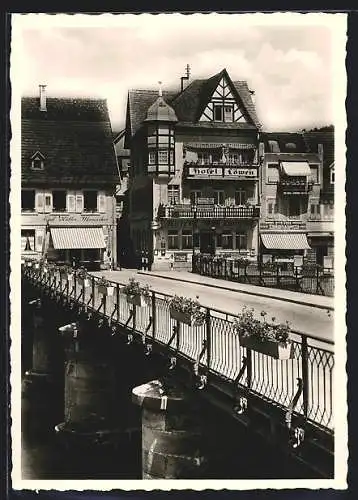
<point>154,316</point>
<point>208,341</point>
<point>305,389</point>
<point>93,289</point>
<point>249,368</point>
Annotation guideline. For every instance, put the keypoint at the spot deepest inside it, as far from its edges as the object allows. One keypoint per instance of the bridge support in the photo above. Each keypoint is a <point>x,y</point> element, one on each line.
<point>92,431</point>
<point>41,386</point>
<point>173,435</point>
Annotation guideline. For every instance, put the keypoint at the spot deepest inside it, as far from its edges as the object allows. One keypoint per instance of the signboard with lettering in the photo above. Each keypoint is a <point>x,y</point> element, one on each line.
<point>180,257</point>
<point>283,225</point>
<point>78,219</point>
<point>222,172</point>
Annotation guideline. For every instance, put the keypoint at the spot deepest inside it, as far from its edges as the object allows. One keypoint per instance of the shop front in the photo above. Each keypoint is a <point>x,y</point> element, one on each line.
<point>284,248</point>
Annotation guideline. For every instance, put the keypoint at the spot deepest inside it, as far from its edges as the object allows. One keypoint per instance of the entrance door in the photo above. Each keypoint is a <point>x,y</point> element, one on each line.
<point>321,252</point>
<point>207,242</point>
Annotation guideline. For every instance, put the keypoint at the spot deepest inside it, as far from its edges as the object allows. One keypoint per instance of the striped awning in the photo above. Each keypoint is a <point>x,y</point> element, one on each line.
<point>296,168</point>
<point>67,238</point>
<point>285,241</point>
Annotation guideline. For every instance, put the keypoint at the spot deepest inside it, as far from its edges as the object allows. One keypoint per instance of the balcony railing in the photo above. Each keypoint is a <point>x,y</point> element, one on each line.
<point>214,212</point>
<point>295,185</point>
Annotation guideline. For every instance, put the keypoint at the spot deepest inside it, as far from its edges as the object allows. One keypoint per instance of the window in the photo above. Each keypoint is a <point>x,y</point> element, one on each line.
<point>59,201</point>
<point>240,197</point>
<point>162,156</point>
<point>173,194</point>
<point>90,201</point>
<point>314,173</point>
<point>228,113</point>
<point>315,211</point>
<point>28,200</point>
<point>37,164</point>
<point>234,159</point>
<point>294,206</point>
<point>186,239</point>
<point>194,195</point>
<point>241,241</point>
<point>218,113</point>
<point>204,158</point>
<point>27,240</point>
<point>219,197</point>
<point>48,202</point>
<point>171,153</point>
<point>173,240</point>
<point>272,173</point>
<point>226,240</point>
<point>271,207</point>
<point>151,157</point>
<point>331,177</point>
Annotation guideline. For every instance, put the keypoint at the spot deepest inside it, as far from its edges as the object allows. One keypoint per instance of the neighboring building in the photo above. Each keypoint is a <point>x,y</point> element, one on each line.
<point>293,222</point>
<point>194,171</point>
<point>69,173</point>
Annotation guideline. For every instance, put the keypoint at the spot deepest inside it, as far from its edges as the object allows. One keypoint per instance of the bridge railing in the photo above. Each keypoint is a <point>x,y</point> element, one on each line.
<point>303,385</point>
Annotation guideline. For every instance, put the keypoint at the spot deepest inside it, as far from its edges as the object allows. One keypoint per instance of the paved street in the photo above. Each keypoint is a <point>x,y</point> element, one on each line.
<point>303,318</point>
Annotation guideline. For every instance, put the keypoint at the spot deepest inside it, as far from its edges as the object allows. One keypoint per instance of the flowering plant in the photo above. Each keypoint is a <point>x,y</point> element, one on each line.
<point>133,287</point>
<point>246,325</point>
<point>82,273</point>
<point>188,306</point>
<point>103,281</point>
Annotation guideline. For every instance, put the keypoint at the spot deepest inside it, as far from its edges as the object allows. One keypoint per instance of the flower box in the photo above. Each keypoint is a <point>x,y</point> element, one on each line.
<point>136,300</point>
<point>183,317</point>
<point>277,350</point>
<point>106,290</point>
<point>84,282</point>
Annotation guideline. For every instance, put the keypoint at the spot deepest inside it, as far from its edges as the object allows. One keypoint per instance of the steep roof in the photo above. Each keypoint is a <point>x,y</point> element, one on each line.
<point>324,136</point>
<point>74,136</point>
<point>190,103</point>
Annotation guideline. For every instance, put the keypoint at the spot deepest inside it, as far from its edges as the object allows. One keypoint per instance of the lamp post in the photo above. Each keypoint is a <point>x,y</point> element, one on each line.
<point>213,229</point>
<point>194,210</point>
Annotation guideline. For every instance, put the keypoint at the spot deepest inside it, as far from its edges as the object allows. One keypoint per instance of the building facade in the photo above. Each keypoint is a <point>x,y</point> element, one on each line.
<point>194,174</point>
<point>294,223</point>
<point>69,174</point>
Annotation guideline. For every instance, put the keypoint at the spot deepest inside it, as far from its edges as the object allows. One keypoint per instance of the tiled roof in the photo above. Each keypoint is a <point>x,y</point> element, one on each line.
<point>190,103</point>
<point>74,135</point>
<point>321,136</point>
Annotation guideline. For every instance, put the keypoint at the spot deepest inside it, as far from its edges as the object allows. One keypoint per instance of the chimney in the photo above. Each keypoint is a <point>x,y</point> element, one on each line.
<point>253,97</point>
<point>186,77</point>
<point>42,97</point>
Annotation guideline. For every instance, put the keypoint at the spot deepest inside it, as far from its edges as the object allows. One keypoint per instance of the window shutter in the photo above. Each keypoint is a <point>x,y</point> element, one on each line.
<point>79,203</point>
<point>71,202</point>
<point>101,202</point>
<point>39,202</point>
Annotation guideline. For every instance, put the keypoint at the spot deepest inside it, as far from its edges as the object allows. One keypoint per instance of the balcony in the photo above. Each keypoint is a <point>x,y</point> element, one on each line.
<point>186,211</point>
<point>223,171</point>
<point>295,185</point>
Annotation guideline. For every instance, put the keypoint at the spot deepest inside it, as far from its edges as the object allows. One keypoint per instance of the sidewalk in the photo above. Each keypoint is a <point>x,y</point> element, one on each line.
<point>306,299</point>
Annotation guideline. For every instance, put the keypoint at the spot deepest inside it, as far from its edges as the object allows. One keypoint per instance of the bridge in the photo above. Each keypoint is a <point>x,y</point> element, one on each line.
<point>287,403</point>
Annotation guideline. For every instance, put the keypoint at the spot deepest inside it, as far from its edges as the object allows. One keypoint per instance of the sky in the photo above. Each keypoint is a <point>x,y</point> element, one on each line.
<point>288,64</point>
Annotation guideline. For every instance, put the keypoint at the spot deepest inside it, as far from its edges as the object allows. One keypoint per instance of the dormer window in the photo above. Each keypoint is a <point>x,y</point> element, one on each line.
<point>37,161</point>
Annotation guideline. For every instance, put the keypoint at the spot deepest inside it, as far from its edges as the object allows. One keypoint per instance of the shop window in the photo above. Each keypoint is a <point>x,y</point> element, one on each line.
<point>163,157</point>
<point>186,239</point>
<point>173,240</point>
<point>240,197</point>
<point>173,194</point>
<point>227,240</point>
<point>28,200</point>
<point>90,201</point>
<point>219,197</point>
<point>241,241</point>
<point>28,240</point>
<point>59,201</point>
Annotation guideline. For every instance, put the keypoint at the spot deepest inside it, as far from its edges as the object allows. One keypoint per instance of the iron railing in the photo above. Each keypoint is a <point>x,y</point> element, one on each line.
<point>311,279</point>
<point>213,347</point>
<point>215,212</point>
